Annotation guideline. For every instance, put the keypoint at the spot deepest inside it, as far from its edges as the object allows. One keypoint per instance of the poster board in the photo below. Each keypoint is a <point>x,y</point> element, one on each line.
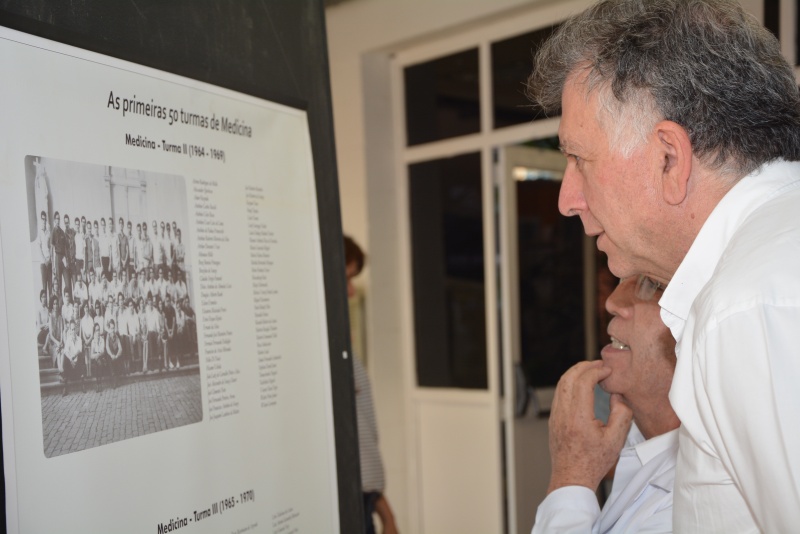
<point>256,430</point>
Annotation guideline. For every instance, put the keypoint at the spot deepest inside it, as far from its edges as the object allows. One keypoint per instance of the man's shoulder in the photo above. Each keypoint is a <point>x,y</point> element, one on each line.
<point>760,263</point>
<point>766,244</point>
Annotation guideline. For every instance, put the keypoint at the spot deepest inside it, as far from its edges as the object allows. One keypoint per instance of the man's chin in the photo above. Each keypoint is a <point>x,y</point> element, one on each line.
<point>618,266</point>
<point>607,385</point>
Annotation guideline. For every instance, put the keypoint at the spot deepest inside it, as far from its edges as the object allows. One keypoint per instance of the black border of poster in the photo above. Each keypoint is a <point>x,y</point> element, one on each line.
<point>275,50</point>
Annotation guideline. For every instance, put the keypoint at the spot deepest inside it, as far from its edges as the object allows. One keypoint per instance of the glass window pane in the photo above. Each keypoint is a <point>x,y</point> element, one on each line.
<point>551,269</point>
<point>442,98</point>
<point>512,62</point>
<point>550,284</point>
<point>772,17</point>
<point>448,272</point>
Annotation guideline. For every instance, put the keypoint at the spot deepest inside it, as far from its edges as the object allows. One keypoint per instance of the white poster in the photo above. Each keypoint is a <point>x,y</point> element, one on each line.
<point>163,341</point>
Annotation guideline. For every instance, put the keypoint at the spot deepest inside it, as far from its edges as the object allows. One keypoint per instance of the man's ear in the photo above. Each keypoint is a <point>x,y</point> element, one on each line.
<point>676,150</point>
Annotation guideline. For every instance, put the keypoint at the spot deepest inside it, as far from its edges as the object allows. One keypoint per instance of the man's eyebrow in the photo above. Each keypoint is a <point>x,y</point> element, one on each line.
<point>566,149</point>
<point>567,146</point>
<point>570,147</point>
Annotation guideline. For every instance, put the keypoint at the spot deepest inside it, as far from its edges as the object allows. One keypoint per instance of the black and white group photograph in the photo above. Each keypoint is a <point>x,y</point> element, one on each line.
<point>116,326</point>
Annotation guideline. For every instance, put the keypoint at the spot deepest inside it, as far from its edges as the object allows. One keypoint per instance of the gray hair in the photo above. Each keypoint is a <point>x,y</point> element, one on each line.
<point>703,64</point>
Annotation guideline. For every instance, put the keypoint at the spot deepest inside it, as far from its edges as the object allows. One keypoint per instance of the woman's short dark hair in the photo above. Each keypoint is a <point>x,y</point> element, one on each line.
<point>353,253</point>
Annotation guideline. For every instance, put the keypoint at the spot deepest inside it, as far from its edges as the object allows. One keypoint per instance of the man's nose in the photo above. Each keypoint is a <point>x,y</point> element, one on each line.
<point>570,198</point>
<point>619,302</point>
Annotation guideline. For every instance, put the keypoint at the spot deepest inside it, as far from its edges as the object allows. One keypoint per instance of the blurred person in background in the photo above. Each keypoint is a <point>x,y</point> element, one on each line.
<point>373,480</point>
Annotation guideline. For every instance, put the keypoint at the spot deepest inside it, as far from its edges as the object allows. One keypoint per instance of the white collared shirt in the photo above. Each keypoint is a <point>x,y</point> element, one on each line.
<point>733,306</point>
<point>640,500</point>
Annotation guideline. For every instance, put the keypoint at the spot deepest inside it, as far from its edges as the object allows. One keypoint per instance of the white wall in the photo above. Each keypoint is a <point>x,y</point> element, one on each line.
<point>357,28</point>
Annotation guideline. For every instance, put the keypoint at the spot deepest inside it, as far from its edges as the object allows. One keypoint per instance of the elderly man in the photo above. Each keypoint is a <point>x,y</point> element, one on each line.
<point>636,368</point>
<point>681,126</point>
